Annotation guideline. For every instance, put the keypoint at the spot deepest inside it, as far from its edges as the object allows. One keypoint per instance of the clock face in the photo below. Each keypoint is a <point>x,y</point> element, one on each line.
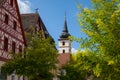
<point>2,2</point>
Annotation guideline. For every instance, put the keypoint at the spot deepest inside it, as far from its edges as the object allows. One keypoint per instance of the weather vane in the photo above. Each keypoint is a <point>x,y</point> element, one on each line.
<point>36,10</point>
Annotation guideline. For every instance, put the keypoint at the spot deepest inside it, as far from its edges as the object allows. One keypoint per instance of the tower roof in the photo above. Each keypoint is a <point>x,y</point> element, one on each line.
<point>65,32</point>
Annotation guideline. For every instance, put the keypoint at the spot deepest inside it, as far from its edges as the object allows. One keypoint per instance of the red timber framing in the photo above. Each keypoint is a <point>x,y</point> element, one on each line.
<point>11,30</point>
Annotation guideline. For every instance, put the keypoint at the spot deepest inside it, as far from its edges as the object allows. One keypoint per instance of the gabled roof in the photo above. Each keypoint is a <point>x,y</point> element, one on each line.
<point>31,21</point>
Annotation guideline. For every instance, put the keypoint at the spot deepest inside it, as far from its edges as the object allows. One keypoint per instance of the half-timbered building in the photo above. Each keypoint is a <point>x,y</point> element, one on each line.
<point>11,32</point>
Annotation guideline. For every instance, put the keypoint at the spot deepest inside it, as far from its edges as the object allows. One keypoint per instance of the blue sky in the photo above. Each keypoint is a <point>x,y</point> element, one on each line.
<point>52,13</point>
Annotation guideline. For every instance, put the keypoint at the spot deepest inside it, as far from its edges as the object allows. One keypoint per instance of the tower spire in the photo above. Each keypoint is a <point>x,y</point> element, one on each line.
<point>65,32</point>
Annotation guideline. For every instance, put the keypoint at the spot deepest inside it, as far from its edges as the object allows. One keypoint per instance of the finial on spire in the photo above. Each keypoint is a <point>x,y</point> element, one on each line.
<point>36,10</point>
<point>65,15</point>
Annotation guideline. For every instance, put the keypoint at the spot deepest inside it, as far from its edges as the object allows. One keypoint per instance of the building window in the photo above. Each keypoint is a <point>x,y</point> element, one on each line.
<point>14,25</point>
<point>63,51</point>
<point>11,2</point>
<point>6,19</point>
<point>12,77</point>
<point>20,48</point>
<point>63,43</point>
<point>13,47</point>
<point>5,43</point>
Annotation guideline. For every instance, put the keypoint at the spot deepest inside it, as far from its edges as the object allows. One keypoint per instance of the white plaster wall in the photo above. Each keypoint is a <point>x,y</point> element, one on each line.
<point>67,43</point>
<point>67,50</point>
<point>65,47</point>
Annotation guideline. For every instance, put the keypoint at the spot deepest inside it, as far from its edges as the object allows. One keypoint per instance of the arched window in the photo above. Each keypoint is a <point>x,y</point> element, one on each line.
<point>63,51</point>
<point>63,43</point>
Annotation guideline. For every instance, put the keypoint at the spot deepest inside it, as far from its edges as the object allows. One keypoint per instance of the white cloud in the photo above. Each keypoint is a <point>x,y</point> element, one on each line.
<point>74,50</point>
<point>24,6</point>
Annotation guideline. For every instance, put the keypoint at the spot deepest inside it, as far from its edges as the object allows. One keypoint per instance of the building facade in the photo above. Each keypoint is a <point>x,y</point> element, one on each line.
<point>11,33</point>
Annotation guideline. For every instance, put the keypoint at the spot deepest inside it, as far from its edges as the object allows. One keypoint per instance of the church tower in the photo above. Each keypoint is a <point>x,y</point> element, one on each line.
<point>64,46</point>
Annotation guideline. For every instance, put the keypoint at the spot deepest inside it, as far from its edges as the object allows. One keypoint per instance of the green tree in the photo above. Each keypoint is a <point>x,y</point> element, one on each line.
<point>102,26</point>
<point>37,61</point>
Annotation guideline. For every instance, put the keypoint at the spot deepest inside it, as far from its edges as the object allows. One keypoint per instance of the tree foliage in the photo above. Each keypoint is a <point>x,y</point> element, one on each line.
<point>102,26</point>
<point>100,58</point>
<point>37,61</point>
